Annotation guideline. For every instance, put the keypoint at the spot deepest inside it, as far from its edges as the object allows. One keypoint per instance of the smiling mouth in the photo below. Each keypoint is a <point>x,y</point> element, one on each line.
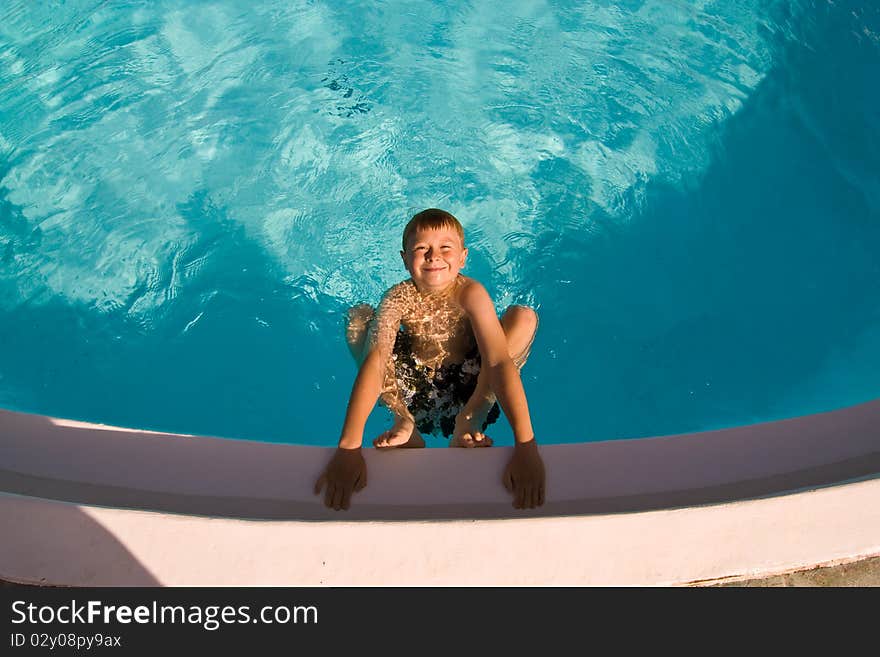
<point>435,269</point>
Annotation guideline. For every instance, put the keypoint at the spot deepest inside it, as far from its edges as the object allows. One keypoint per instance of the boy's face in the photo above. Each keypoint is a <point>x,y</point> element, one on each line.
<point>434,257</point>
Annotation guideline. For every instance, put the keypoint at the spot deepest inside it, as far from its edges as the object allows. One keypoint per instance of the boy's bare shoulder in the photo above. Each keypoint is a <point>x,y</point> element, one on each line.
<point>397,296</point>
<point>399,290</point>
<point>472,292</point>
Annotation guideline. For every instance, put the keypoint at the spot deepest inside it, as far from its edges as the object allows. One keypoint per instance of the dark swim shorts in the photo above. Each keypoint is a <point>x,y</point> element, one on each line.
<point>435,397</point>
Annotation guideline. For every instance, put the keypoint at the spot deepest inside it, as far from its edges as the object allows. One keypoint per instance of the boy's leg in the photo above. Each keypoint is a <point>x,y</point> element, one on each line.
<point>520,324</point>
<point>403,433</point>
<point>356,330</point>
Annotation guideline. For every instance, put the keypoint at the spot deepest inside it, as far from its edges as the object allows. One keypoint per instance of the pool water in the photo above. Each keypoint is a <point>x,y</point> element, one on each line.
<point>193,193</point>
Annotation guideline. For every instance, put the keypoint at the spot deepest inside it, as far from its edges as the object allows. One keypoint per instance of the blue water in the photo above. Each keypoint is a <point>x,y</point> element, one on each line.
<point>192,193</point>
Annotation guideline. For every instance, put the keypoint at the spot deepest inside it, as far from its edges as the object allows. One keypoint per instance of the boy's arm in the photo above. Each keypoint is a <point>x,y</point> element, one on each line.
<point>504,377</point>
<point>524,475</point>
<point>372,374</point>
<point>347,470</point>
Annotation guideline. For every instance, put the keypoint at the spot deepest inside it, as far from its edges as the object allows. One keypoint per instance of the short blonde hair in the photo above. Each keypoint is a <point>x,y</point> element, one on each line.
<point>432,219</point>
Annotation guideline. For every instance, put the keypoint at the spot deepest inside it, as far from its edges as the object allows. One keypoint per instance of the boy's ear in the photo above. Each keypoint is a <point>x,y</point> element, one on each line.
<point>464,254</point>
<point>403,257</point>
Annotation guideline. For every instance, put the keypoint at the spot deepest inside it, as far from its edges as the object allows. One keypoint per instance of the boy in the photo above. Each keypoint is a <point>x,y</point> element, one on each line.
<point>443,371</point>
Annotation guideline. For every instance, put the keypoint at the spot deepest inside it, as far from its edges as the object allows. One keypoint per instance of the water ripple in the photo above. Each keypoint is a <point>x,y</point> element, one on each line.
<point>318,142</point>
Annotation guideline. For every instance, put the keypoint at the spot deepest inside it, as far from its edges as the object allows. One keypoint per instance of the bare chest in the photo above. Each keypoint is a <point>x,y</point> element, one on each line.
<point>440,334</point>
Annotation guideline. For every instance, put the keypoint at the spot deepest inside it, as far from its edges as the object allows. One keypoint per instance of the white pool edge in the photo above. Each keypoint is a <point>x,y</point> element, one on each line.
<point>94,505</point>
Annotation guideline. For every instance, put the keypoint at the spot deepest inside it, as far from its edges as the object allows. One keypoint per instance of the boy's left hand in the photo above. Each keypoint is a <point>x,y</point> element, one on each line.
<point>524,476</point>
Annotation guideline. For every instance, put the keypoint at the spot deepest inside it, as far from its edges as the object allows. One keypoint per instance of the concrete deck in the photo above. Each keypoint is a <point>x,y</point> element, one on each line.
<point>861,573</point>
<point>146,508</point>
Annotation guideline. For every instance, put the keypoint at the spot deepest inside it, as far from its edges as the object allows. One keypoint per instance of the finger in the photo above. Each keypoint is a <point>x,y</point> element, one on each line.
<point>507,479</point>
<point>533,497</point>
<point>328,495</point>
<point>527,497</point>
<point>346,497</point>
<point>361,481</point>
<point>337,497</point>
<point>320,484</point>
<point>487,441</point>
<point>518,496</point>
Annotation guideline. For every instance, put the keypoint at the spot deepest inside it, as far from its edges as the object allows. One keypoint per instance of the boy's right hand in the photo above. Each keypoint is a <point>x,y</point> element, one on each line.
<point>345,474</point>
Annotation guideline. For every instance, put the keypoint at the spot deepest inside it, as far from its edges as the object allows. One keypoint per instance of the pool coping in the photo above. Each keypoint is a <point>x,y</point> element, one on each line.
<point>746,501</point>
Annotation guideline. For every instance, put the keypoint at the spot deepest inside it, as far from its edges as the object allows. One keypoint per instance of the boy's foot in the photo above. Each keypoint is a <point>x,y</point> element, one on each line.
<point>469,429</point>
<point>402,434</point>
<point>476,439</point>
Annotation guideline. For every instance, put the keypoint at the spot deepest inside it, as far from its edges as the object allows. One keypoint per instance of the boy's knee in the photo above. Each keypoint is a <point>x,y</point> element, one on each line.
<point>360,314</point>
<point>522,315</point>
<point>358,318</point>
